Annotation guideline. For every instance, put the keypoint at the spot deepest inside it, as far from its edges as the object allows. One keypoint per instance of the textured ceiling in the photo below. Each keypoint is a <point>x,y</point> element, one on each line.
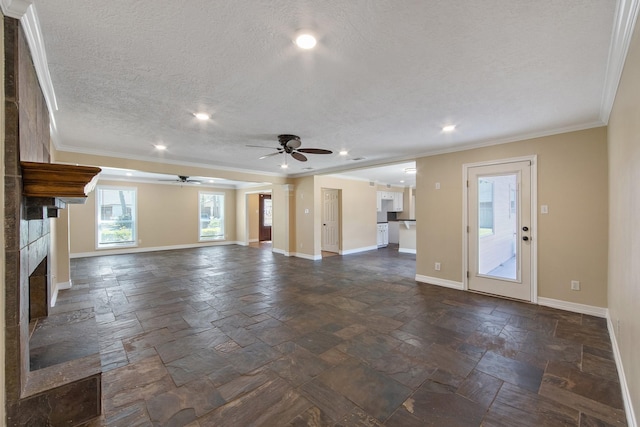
<point>383,80</point>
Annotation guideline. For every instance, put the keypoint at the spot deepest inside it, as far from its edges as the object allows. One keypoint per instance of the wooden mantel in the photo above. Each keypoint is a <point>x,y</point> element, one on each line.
<point>56,180</point>
<point>50,186</point>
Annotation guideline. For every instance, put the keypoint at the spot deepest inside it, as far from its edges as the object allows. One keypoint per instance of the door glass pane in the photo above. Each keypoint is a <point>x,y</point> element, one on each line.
<point>498,226</point>
<point>266,212</point>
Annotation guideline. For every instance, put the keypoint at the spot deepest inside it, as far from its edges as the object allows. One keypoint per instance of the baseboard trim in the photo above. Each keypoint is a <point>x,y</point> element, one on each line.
<point>58,287</point>
<point>407,251</point>
<point>573,306</point>
<point>440,282</point>
<point>357,250</point>
<point>253,240</point>
<point>307,256</point>
<point>150,249</point>
<point>626,395</point>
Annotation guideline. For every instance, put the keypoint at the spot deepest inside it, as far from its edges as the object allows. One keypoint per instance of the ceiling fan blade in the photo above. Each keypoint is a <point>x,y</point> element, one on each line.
<point>294,143</point>
<point>298,156</point>
<point>269,155</point>
<point>315,151</point>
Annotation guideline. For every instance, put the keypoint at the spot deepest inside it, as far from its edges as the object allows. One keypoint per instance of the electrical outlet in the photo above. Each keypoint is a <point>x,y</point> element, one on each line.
<point>575,285</point>
<point>437,266</point>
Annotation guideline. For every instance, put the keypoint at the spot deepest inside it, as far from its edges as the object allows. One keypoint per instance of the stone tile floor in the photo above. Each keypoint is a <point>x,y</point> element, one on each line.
<point>238,336</point>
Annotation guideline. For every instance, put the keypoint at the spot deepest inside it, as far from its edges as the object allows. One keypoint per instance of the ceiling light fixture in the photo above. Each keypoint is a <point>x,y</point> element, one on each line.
<point>344,152</point>
<point>410,171</point>
<point>449,128</point>
<point>402,181</point>
<point>160,147</point>
<point>305,40</point>
<point>202,116</point>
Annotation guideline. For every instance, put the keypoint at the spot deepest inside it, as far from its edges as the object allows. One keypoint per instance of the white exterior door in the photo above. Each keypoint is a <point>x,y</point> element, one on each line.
<point>499,229</point>
<point>330,220</point>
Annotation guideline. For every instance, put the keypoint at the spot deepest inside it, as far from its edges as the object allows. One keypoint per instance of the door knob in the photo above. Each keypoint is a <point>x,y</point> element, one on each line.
<point>525,228</point>
<point>525,238</point>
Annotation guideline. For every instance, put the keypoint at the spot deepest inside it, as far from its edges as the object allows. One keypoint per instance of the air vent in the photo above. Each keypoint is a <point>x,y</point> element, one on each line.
<point>355,159</point>
<point>372,184</point>
<point>388,185</point>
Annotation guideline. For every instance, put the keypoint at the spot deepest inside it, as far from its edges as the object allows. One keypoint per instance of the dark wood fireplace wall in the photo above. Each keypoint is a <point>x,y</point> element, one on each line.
<point>31,397</point>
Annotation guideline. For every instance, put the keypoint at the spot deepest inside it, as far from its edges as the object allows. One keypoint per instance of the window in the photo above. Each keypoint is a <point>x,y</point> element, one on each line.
<point>485,207</point>
<point>211,216</point>
<point>116,212</point>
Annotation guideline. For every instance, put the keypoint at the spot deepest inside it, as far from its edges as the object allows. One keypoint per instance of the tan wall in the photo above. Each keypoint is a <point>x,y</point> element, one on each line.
<point>624,211</point>
<point>357,212</point>
<point>254,217</point>
<point>572,238</point>
<point>168,168</point>
<point>283,232</point>
<point>305,223</point>
<point>241,211</point>
<point>167,216</point>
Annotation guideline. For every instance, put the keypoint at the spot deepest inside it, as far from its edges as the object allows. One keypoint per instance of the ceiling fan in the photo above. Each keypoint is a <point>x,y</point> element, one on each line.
<point>183,179</point>
<point>290,144</point>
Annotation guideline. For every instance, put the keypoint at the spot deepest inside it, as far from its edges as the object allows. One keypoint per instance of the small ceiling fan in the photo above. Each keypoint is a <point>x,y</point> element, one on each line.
<point>183,179</point>
<point>290,144</point>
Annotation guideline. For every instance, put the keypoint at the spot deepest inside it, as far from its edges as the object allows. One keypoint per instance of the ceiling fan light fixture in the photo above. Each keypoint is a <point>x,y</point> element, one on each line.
<point>305,40</point>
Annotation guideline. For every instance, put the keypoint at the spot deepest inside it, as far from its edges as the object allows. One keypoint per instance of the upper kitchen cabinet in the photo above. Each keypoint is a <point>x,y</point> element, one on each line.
<point>395,201</point>
<point>398,202</point>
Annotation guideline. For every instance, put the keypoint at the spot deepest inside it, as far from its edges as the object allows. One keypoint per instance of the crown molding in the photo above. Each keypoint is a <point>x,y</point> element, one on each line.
<point>624,23</point>
<point>14,8</point>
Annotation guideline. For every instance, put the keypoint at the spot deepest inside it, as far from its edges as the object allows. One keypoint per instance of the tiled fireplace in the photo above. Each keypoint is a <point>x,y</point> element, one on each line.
<point>67,393</point>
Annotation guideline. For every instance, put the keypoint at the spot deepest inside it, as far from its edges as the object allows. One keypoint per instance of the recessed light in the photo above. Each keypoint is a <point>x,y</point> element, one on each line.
<point>129,174</point>
<point>410,171</point>
<point>344,152</point>
<point>211,181</point>
<point>160,147</point>
<point>284,166</point>
<point>449,128</point>
<point>202,116</point>
<point>305,41</point>
<point>402,181</point>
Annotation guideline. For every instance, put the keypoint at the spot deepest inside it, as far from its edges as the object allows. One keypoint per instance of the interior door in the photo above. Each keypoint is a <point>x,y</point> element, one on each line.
<point>265,217</point>
<point>330,220</point>
<point>499,227</point>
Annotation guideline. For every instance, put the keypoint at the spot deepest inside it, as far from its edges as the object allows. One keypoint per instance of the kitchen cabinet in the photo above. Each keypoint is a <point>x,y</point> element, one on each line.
<point>383,234</point>
<point>398,202</point>
<point>396,199</point>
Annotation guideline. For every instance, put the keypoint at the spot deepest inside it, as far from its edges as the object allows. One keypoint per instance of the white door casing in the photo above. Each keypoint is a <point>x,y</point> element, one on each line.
<point>500,236</point>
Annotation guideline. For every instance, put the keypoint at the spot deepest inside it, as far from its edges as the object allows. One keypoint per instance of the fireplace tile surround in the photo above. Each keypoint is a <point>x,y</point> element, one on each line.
<point>67,393</point>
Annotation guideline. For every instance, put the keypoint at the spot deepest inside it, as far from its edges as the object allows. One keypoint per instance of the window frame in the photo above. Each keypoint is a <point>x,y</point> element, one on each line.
<point>134,219</point>
<point>222,216</point>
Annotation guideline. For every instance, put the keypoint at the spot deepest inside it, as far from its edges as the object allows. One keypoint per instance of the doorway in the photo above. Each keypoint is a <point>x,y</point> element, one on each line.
<point>265,213</point>
<point>500,229</point>
<point>330,220</point>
